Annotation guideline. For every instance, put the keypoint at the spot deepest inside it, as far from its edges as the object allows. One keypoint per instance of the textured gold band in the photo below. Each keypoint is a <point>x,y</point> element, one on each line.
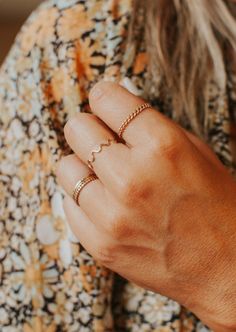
<point>81,184</point>
<point>133,115</point>
<point>98,150</point>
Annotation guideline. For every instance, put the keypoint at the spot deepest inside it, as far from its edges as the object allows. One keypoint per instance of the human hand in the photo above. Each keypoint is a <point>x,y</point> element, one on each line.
<point>162,211</point>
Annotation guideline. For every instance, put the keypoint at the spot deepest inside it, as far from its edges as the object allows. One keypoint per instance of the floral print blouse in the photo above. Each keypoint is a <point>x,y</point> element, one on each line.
<point>48,282</point>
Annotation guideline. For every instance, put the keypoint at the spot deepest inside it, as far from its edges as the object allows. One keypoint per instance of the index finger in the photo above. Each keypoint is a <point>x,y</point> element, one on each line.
<point>113,104</point>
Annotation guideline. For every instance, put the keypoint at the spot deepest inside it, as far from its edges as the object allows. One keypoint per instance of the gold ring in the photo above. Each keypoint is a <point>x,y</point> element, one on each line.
<point>98,150</point>
<point>133,115</point>
<point>81,184</point>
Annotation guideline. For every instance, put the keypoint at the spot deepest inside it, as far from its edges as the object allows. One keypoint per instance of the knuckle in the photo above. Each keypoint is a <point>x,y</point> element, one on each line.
<point>62,165</point>
<point>117,226</point>
<point>105,253</point>
<point>168,146</point>
<point>74,122</point>
<point>69,124</point>
<point>101,90</point>
<point>69,127</point>
<point>98,90</point>
<point>170,151</point>
<point>134,191</point>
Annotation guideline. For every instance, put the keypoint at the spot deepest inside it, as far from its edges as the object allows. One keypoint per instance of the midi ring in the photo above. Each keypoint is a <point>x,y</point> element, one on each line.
<point>98,150</point>
<point>133,115</point>
<point>81,184</point>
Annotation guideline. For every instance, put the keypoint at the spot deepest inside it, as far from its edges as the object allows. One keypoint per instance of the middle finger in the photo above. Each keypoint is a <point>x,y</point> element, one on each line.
<point>84,133</point>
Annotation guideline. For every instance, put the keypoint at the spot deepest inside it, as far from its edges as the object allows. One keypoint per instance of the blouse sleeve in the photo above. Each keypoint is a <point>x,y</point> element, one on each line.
<point>60,52</point>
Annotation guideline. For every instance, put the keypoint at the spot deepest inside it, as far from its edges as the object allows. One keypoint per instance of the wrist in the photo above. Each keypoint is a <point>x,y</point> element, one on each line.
<point>218,312</point>
<point>215,303</point>
<point>222,302</point>
<point>221,317</point>
<point>222,326</point>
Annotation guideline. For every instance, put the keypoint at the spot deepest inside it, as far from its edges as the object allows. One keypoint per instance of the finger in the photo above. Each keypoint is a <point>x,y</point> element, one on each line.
<point>112,103</point>
<point>88,234</point>
<point>92,197</point>
<point>84,133</point>
<point>99,206</point>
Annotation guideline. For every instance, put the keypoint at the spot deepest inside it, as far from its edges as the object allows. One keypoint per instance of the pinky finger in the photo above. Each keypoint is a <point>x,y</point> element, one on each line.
<point>93,240</point>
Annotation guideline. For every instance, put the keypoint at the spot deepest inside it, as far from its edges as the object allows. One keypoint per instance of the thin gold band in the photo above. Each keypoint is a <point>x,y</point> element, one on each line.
<point>81,184</point>
<point>98,150</point>
<point>133,115</point>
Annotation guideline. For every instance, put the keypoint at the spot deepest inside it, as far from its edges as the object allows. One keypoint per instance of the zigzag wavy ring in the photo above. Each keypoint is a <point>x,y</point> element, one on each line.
<point>98,150</point>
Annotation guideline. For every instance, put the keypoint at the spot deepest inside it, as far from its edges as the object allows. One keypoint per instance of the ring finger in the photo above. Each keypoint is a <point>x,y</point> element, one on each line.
<point>85,133</point>
<point>93,197</point>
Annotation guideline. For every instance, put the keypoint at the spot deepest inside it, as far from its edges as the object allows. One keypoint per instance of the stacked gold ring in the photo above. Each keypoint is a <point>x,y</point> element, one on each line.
<point>81,184</point>
<point>133,115</point>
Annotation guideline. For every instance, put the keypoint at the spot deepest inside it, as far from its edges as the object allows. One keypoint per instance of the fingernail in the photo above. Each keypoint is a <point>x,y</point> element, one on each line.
<point>96,92</point>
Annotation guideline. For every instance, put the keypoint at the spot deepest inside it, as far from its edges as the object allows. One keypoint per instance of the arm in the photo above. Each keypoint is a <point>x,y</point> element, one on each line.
<point>162,211</point>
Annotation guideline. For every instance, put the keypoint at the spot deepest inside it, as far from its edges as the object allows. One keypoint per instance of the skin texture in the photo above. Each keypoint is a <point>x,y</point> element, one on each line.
<point>162,212</point>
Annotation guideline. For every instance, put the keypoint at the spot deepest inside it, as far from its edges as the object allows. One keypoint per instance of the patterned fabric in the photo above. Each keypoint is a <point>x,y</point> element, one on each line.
<point>48,282</point>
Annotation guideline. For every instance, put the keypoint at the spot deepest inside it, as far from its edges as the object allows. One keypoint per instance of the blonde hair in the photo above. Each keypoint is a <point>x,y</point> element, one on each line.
<point>186,40</point>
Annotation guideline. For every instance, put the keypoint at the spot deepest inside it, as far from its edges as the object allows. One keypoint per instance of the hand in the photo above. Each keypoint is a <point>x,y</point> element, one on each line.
<point>162,212</point>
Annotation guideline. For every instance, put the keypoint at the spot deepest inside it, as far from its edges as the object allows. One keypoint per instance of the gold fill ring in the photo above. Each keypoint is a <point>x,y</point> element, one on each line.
<point>98,150</point>
<point>133,115</point>
<point>81,184</point>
